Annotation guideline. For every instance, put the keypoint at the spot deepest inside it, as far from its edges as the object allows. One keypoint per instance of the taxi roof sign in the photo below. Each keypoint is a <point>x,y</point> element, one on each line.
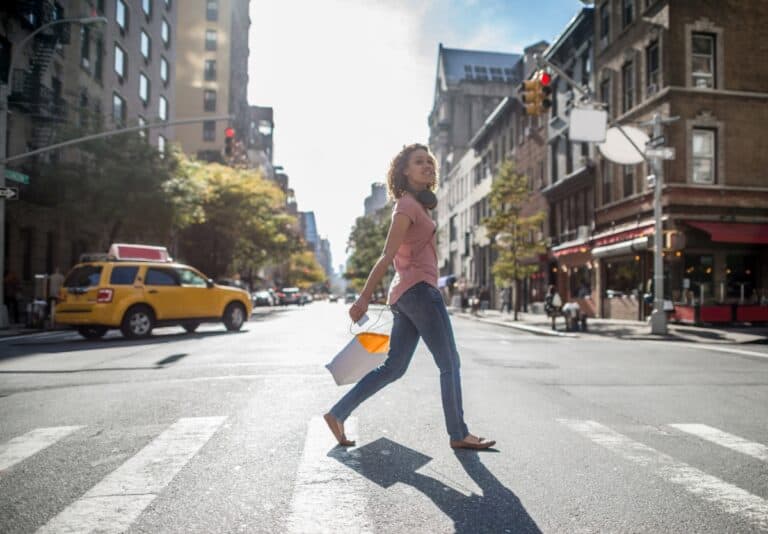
<point>124,251</point>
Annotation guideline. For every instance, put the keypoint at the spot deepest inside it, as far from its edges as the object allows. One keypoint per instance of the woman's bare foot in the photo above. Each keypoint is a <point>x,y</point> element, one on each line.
<point>472,442</point>
<point>337,428</point>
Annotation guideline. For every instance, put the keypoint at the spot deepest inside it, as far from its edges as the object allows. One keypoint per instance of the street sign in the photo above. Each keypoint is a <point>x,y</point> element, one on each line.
<point>16,176</point>
<point>662,152</point>
<point>9,193</point>
<point>655,142</point>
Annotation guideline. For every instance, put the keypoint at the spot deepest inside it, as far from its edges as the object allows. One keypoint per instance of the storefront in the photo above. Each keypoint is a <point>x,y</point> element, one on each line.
<point>573,274</point>
<point>721,276</point>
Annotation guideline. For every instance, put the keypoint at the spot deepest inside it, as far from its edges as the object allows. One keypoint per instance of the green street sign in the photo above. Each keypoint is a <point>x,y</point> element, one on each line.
<point>16,176</point>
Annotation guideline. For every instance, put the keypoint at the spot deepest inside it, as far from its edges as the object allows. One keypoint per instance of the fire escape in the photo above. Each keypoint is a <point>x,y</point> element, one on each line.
<point>29,95</point>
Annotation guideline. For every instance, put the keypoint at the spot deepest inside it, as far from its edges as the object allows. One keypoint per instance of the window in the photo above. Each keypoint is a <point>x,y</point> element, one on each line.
<point>142,122</point>
<point>146,7</point>
<point>652,66</point>
<point>627,86</point>
<point>607,176</point>
<point>553,167</point>
<point>161,144</point>
<point>123,275</point>
<point>143,88</point>
<point>509,74</point>
<point>605,22</point>
<point>191,278</point>
<point>212,10</point>
<point>167,4</point>
<point>120,66</point>
<point>704,142</point>
<point>627,12</point>
<point>209,130</point>
<point>210,39</point>
<point>118,109</point>
<point>209,100</point>
<point>98,60</point>
<point>703,60</point>
<point>163,69</point>
<point>83,112</point>
<point>496,74</point>
<point>165,32</point>
<point>210,70</point>
<point>146,45</point>
<point>605,94</point>
<point>481,73</point>
<point>158,276</point>
<point>121,15</point>
<point>85,47</point>
<point>162,109</point>
<point>629,181</point>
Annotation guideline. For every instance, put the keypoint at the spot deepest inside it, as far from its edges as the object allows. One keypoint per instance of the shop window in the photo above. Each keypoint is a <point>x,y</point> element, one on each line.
<point>622,277</point>
<point>741,276</point>
<point>580,282</point>
<point>698,276</point>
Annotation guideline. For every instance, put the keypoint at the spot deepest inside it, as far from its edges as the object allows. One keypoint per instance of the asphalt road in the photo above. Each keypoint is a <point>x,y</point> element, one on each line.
<point>221,432</point>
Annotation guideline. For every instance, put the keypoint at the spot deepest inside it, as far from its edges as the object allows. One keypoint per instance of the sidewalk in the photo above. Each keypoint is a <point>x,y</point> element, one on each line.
<point>540,324</point>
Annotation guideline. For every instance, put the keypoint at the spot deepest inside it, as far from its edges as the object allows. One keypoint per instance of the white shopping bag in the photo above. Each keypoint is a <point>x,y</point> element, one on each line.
<point>364,353</point>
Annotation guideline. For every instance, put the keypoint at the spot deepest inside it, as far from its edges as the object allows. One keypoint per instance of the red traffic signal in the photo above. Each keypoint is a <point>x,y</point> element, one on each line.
<point>229,139</point>
<point>229,132</point>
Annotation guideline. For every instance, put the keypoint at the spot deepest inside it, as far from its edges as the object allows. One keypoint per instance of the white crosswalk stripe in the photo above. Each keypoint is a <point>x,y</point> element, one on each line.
<point>724,439</point>
<point>113,504</point>
<point>32,442</point>
<point>728,497</point>
<point>328,496</point>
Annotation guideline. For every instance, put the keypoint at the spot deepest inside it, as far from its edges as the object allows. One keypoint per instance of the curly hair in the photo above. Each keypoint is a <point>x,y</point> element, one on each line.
<point>397,182</point>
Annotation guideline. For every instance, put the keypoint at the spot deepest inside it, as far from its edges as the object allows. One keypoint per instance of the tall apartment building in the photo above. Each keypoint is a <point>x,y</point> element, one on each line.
<point>212,74</point>
<point>111,75</point>
<point>697,61</point>
<point>469,84</point>
<point>261,125</point>
<point>377,199</point>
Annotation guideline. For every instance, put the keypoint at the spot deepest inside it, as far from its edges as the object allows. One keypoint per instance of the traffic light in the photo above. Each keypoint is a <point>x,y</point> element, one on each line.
<point>536,93</point>
<point>229,140</point>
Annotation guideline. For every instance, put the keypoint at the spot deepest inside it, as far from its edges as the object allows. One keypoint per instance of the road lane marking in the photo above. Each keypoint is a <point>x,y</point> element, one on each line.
<point>328,496</point>
<point>24,446</point>
<point>113,504</point>
<point>724,439</point>
<point>728,497</point>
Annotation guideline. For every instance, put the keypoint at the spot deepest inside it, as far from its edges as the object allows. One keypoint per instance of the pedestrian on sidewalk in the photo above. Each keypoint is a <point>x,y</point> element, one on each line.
<point>553,304</point>
<point>415,301</point>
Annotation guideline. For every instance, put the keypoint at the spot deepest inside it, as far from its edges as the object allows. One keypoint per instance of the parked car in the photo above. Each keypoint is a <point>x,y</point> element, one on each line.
<point>350,298</point>
<point>263,298</point>
<point>136,288</point>
<point>333,298</point>
<point>290,295</point>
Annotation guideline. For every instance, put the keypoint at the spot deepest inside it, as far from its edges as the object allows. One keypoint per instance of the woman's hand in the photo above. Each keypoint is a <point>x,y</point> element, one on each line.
<point>358,309</point>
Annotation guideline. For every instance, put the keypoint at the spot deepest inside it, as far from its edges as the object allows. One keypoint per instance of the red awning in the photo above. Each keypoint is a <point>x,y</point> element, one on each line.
<point>752,233</point>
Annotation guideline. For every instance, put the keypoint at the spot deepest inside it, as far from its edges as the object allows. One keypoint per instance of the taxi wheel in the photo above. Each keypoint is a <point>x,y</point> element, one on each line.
<point>138,322</point>
<point>234,316</point>
<point>92,332</point>
<point>190,326</point>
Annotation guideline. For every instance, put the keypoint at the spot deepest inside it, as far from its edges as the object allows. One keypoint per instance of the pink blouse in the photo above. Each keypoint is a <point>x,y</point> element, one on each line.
<point>416,259</point>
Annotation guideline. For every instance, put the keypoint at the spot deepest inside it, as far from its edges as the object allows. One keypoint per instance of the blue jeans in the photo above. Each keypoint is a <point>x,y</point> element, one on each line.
<point>419,312</point>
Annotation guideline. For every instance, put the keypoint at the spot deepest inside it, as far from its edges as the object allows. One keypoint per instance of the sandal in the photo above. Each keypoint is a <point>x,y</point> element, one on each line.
<point>337,428</point>
<point>480,444</point>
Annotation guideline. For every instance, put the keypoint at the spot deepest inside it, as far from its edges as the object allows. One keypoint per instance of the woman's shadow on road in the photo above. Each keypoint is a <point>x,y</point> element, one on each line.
<point>497,510</point>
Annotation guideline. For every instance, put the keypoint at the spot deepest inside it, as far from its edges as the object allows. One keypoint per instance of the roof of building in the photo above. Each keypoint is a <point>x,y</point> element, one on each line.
<point>454,60</point>
<point>583,16</point>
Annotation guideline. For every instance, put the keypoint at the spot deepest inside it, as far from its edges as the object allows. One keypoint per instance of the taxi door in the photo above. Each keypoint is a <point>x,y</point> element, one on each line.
<point>199,300</point>
<point>163,290</point>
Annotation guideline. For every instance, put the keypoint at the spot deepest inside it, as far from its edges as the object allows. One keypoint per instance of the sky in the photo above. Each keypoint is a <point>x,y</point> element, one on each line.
<point>352,81</point>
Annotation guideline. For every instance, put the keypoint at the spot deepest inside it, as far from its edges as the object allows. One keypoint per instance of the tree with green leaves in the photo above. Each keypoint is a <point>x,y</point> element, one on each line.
<point>513,232</point>
<point>366,243</point>
<point>230,220</point>
<point>109,189</point>
<point>304,270</point>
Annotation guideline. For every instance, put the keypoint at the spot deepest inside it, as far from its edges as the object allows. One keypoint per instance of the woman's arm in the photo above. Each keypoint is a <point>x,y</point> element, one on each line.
<point>395,237</point>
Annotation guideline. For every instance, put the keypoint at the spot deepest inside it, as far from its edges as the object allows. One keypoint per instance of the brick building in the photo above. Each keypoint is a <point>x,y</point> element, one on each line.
<point>695,60</point>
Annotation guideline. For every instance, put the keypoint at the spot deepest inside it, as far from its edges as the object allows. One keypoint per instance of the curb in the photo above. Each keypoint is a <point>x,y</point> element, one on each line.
<point>531,329</point>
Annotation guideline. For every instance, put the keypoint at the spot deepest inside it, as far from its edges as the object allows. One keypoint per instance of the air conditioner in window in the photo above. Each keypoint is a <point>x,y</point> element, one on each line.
<point>583,232</point>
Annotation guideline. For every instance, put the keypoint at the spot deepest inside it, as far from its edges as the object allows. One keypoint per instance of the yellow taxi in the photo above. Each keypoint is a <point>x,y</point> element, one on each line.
<point>137,287</point>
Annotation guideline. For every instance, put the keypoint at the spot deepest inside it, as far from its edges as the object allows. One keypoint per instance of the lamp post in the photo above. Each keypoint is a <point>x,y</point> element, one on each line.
<point>5,90</point>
